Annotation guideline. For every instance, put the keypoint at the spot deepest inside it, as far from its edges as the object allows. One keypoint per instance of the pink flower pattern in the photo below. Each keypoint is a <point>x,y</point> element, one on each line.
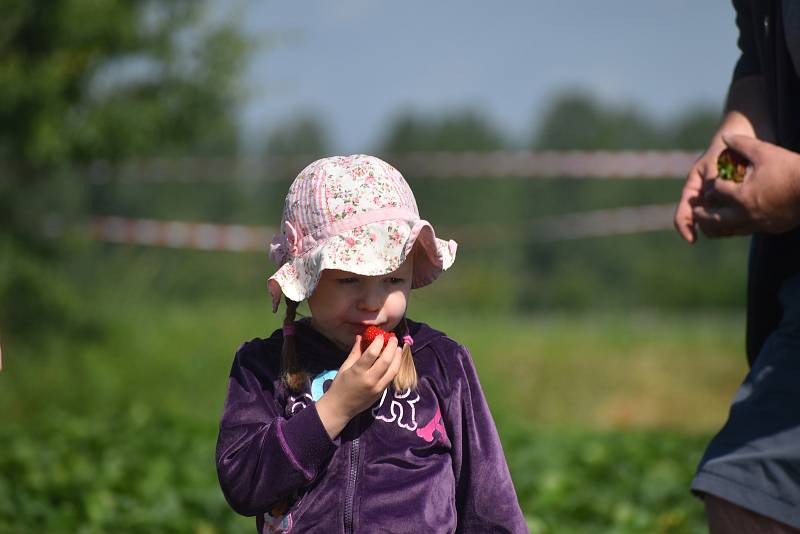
<point>373,249</point>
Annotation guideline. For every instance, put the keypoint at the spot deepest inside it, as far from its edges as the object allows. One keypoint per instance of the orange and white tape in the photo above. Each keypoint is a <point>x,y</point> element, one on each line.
<point>177,234</point>
<point>548,164</point>
<point>240,238</point>
<point>494,164</point>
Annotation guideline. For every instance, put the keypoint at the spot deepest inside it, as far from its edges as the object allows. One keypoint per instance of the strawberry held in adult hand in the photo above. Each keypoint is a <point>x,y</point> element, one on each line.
<point>371,332</point>
<point>731,165</point>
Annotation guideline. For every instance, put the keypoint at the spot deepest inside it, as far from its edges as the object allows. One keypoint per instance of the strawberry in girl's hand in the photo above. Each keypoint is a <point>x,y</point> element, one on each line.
<point>731,165</point>
<point>370,333</point>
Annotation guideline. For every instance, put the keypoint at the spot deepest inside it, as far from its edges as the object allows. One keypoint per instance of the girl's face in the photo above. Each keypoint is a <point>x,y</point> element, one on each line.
<point>344,303</point>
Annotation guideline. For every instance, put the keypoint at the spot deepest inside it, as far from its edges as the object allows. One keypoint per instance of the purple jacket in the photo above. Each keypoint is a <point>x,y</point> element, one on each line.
<point>426,461</point>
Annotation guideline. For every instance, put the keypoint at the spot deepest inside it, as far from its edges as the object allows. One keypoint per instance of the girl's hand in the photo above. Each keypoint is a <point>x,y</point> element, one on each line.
<point>360,381</point>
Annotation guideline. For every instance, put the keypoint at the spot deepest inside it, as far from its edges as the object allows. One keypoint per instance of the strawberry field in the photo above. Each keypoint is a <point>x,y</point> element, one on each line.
<point>141,470</point>
<point>109,425</point>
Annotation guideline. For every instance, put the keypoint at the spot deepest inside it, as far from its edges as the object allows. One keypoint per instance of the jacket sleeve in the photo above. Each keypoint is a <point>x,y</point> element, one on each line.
<point>263,457</point>
<point>485,496</point>
<point>748,63</point>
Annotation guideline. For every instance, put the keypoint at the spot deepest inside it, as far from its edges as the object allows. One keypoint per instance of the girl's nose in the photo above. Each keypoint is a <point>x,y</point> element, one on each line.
<point>371,300</point>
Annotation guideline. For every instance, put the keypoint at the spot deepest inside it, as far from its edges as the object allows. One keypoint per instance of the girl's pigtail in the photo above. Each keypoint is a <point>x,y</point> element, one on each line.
<point>293,374</point>
<point>406,377</point>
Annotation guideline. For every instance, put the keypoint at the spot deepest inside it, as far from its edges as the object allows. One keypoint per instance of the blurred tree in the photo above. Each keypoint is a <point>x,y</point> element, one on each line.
<point>693,129</point>
<point>455,131</point>
<point>575,121</point>
<point>82,80</point>
<point>293,144</point>
<point>303,136</point>
<point>625,270</point>
<point>86,79</point>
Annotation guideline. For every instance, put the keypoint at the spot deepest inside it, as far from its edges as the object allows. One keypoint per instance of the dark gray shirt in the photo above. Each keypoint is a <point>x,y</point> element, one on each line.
<point>791,23</point>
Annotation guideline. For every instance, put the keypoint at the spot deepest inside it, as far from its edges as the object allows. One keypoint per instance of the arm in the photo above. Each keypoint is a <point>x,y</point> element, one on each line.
<point>769,198</point>
<point>746,109</point>
<point>485,496</point>
<point>262,457</point>
<point>746,113</point>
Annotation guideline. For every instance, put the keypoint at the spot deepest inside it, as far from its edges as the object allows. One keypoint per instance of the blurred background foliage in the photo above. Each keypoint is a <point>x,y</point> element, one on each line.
<point>116,356</point>
<point>575,121</point>
<point>83,80</point>
<point>80,81</point>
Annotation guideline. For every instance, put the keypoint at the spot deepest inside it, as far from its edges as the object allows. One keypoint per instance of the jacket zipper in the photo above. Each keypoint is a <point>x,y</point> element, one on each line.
<point>351,483</point>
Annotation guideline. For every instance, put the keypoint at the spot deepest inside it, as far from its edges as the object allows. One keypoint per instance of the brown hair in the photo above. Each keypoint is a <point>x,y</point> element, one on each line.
<point>294,376</point>
<point>406,377</point>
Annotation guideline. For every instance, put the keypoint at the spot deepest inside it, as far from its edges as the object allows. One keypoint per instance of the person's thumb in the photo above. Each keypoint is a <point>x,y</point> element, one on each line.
<point>743,144</point>
<point>355,354</point>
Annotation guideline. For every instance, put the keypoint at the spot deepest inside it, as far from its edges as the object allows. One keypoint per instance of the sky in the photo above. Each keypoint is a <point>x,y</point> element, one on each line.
<point>356,64</point>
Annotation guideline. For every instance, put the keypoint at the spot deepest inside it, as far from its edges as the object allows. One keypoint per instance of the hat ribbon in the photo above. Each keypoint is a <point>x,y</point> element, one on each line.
<point>285,244</point>
<point>292,243</point>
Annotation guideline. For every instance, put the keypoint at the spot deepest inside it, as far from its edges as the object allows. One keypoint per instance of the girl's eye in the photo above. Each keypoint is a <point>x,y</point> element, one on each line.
<point>394,280</point>
<point>349,280</point>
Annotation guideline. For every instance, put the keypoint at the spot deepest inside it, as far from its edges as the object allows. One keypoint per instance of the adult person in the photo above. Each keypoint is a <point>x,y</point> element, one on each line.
<point>749,476</point>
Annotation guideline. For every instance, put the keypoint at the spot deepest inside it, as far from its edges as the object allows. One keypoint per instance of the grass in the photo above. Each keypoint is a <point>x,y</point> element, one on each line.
<point>609,371</point>
<point>597,371</point>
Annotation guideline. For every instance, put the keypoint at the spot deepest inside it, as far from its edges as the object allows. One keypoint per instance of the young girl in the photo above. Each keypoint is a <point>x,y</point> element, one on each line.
<point>320,434</point>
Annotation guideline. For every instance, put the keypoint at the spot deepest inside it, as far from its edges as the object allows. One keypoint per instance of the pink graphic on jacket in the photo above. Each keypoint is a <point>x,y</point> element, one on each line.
<point>426,432</point>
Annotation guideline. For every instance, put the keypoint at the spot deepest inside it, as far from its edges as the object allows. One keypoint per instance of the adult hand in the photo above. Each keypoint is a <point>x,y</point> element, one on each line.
<point>703,169</point>
<point>360,381</point>
<point>768,200</point>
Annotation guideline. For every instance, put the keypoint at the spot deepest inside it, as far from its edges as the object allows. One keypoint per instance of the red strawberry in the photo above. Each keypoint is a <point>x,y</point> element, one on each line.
<point>731,165</point>
<point>370,333</point>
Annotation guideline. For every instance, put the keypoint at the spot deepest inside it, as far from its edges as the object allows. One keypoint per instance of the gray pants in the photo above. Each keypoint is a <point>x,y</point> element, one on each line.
<point>754,461</point>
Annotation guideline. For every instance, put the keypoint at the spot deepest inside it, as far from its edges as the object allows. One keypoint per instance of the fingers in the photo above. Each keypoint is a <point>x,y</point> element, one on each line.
<point>721,193</point>
<point>371,354</point>
<point>720,222</point>
<point>690,196</point>
<point>745,145</point>
<point>382,363</point>
<point>378,365</point>
<point>684,221</point>
<point>353,357</point>
<point>392,370</point>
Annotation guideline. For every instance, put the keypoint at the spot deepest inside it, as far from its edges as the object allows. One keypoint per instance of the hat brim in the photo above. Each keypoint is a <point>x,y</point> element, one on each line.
<point>373,249</point>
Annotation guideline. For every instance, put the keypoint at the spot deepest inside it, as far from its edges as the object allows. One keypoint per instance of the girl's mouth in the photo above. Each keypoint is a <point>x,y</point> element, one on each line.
<point>359,328</point>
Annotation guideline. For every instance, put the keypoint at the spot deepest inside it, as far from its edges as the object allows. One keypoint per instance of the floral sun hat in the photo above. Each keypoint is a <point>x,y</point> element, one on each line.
<point>353,213</point>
